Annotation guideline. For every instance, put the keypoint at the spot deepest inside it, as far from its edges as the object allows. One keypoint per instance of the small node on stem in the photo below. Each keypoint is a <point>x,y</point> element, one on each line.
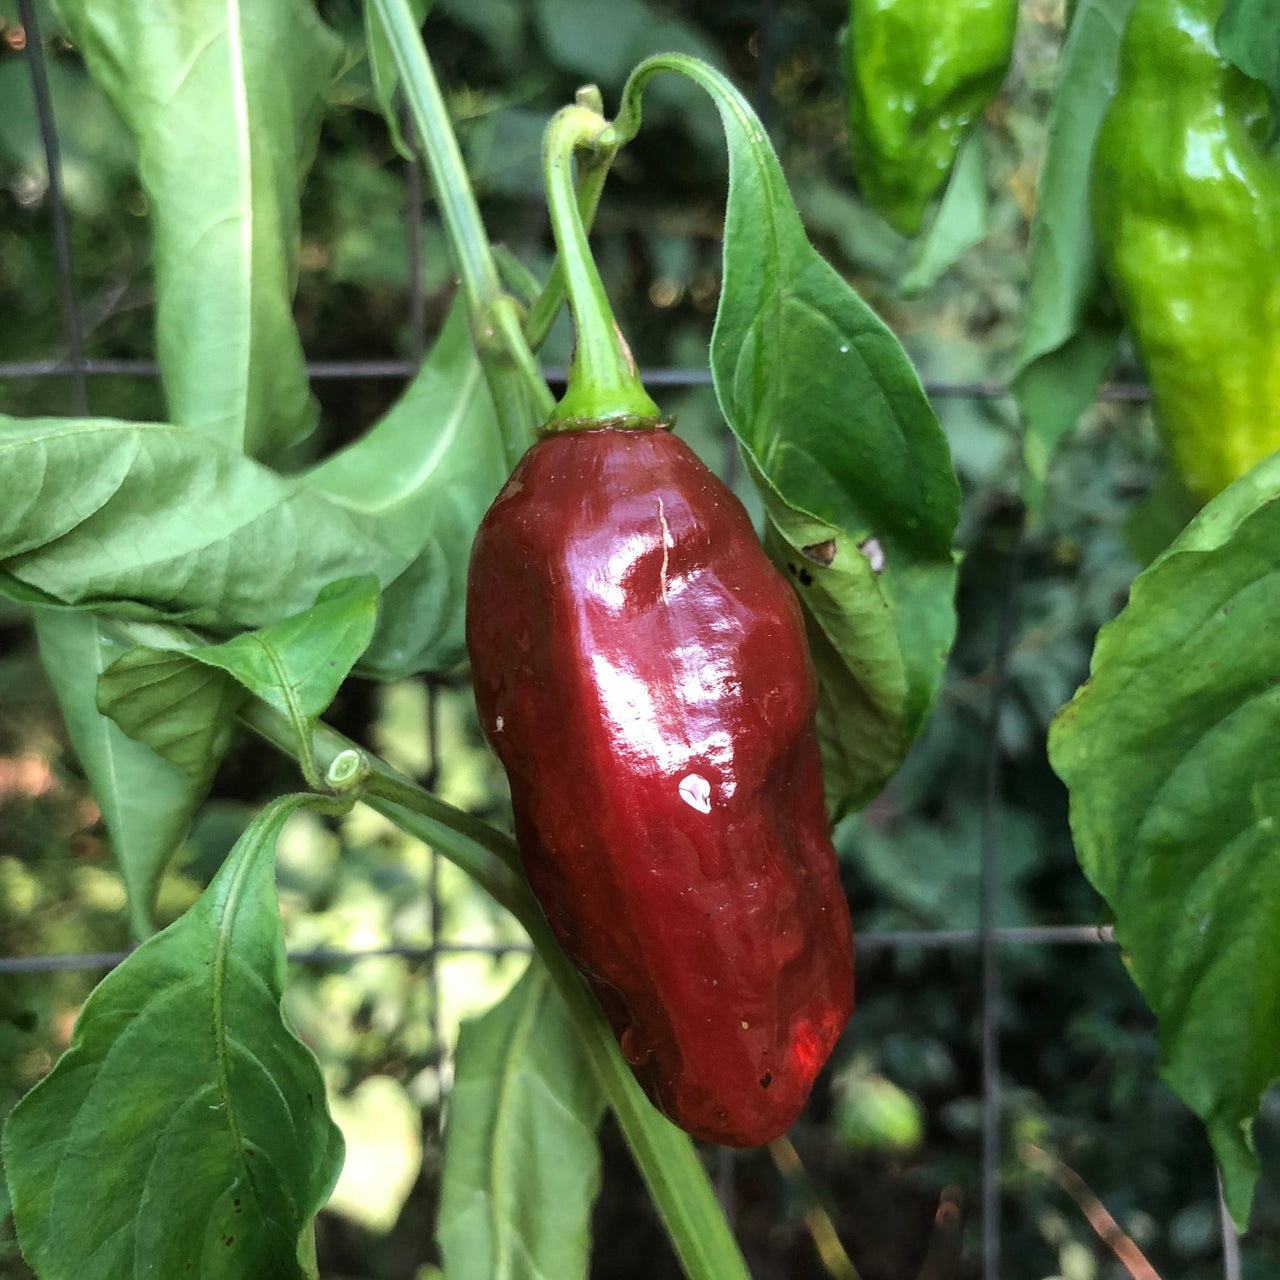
<point>347,771</point>
<point>589,97</point>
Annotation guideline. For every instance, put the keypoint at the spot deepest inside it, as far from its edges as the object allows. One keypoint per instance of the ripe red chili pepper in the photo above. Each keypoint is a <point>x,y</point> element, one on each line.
<point>641,669</point>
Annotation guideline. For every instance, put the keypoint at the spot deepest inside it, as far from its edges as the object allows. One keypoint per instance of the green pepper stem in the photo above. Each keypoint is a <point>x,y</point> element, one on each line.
<point>593,168</point>
<point>487,855</point>
<point>604,387</point>
<point>627,122</point>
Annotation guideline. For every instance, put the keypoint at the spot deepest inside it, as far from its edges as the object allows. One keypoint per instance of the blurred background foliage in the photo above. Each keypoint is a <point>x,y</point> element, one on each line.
<point>890,1144</point>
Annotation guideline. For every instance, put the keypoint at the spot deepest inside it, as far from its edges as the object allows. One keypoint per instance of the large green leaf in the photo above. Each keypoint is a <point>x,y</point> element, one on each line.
<point>521,1165</point>
<point>146,803</point>
<point>1169,753</point>
<point>152,520</point>
<point>424,475</point>
<point>171,702</point>
<point>107,513</point>
<point>184,1132</point>
<point>224,100</point>
<point>853,467</point>
<point>1070,332</point>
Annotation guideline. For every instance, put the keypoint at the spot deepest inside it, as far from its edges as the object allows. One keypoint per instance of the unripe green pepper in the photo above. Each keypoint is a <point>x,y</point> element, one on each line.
<point>1186,214</point>
<point>920,73</point>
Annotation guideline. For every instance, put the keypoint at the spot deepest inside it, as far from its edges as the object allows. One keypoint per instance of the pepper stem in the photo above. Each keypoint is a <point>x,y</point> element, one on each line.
<point>604,388</point>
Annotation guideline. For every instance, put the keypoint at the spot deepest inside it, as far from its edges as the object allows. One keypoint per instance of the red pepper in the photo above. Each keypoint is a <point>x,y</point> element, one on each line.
<point>641,669</point>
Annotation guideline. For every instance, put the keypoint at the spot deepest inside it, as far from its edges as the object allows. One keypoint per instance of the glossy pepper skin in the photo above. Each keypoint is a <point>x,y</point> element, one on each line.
<point>1186,214</point>
<point>641,670</point>
<point>920,73</point>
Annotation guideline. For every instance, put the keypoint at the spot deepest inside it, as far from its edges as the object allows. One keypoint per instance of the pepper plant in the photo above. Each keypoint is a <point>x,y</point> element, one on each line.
<point>189,582</point>
<point>184,585</point>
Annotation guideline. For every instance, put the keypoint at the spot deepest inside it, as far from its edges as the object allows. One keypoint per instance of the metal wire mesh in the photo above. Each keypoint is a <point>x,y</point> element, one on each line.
<point>988,939</point>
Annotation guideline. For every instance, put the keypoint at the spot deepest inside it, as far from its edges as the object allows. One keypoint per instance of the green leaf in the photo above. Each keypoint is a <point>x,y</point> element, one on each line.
<point>184,1132</point>
<point>521,1165</point>
<point>174,698</point>
<point>1248,35</point>
<point>149,520</point>
<point>1070,332</point>
<point>864,681</point>
<point>382,67</point>
<point>1169,755</point>
<point>146,803</point>
<point>297,665</point>
<point>961,219</point>
<point>224,100</point>
<point>107,513</point>
<point>846,452</point>
<point>424,475</point>
<point>175,705</point>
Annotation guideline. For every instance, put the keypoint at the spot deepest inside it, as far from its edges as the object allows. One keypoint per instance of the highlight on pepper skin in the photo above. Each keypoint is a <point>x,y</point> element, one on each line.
<point>642,672</point>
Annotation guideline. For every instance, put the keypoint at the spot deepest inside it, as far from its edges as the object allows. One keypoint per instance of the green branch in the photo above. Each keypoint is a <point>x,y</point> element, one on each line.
<point>520,396</point>
<point>458,208</point>
<point>487,855</point>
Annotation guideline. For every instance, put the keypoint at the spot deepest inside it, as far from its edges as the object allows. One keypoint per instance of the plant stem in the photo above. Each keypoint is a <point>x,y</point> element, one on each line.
<point>458,209</point>
<point>821,1229</point>
<point>519,394</point>
<point>510,344</point>
<point>593,168</point>
<point>484,853</point>
<point>604,387</point>
<point>1108,1230</point>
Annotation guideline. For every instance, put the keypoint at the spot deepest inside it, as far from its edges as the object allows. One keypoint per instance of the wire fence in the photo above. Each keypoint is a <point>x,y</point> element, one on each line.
<point>988,939</point>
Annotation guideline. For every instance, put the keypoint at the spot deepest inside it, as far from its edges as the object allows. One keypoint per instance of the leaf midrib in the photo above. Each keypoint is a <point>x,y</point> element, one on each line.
<point>270,823</point>
<point>240,109</point>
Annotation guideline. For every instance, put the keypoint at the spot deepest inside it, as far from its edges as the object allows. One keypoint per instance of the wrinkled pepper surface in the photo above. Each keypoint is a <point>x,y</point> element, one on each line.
<point>641,670</point>
<point>920,73</point>
<point>1186,213</point>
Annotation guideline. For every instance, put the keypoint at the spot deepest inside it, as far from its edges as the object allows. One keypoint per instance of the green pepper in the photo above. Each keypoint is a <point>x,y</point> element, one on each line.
<point>919,74</point>
<point>1186,213</point>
